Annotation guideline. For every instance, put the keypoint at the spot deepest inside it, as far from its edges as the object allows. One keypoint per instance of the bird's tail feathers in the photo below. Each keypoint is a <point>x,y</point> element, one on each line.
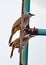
<point>12,52</point>
<point>11,44</point>
<point>10,38</point>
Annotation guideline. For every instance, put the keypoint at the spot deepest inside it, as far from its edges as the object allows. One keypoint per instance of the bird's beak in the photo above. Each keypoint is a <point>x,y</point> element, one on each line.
<point>31,14</point>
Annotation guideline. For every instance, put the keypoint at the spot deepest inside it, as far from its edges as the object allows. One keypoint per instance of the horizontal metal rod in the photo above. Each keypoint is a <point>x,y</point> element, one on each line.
<point>35,31</point>
<point>41,32</point>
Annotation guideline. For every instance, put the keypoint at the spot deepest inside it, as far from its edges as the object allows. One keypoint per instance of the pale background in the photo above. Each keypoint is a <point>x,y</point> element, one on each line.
<point>10,10</point>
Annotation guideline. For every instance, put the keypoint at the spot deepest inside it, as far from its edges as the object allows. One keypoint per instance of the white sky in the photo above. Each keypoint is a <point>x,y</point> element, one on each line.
<point>10,11</point>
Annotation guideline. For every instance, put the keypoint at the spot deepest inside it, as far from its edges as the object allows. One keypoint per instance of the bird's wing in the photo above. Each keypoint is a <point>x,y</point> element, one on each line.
<point>15,42</point>
<point>16,23</point>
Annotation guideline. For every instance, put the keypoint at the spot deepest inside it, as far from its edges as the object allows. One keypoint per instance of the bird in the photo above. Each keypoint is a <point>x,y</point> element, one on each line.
<point>16,43</point>
<point>17,25</point>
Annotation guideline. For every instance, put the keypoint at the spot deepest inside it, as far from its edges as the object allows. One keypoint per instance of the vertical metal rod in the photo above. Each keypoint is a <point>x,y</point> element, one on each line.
<point>24,52</point>
<point>25,48</point>
<point>21,31</point>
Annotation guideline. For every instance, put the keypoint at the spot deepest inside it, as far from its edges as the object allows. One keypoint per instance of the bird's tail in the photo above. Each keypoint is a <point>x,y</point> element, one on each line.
<point>11,44</point>
<point>10,38</point>
<point>12,52</point>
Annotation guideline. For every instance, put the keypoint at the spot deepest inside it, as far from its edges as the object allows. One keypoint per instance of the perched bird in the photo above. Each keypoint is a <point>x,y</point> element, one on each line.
<point>16,43</point>
<point>16,26</point>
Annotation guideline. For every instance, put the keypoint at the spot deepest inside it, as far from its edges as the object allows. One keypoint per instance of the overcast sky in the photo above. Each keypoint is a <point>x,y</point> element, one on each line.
<point>10,11</point>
